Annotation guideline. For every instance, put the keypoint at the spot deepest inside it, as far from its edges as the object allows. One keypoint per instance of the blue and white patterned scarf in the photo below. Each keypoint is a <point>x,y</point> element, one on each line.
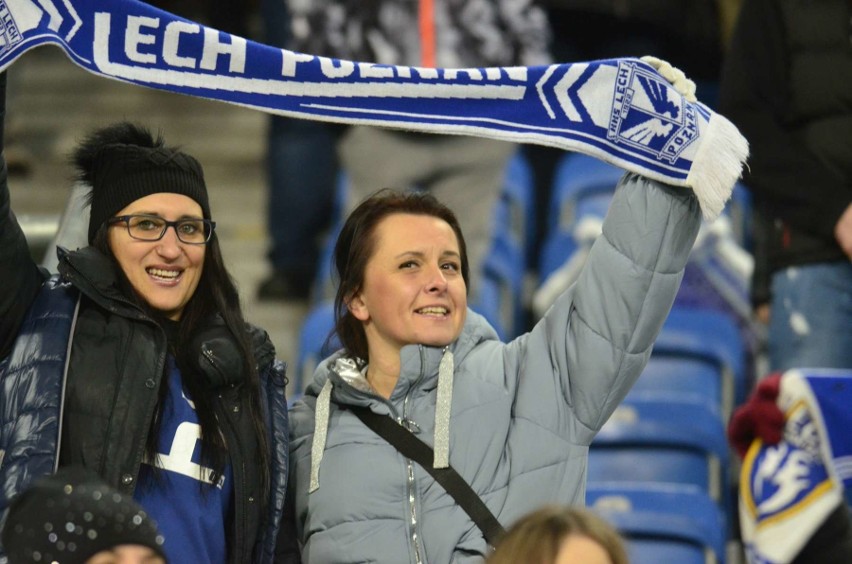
<point>789,489</point>
<point>620,110</point>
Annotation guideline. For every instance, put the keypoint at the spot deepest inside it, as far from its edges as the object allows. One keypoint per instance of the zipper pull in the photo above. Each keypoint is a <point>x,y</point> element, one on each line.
<point>409,424</point>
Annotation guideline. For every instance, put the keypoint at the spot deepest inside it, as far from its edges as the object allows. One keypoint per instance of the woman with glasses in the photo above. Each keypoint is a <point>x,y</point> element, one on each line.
<point>135,361</point>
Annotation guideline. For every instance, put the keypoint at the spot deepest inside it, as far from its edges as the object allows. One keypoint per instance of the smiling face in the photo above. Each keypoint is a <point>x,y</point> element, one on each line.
<point>413,290</point>
<point>164,273</point>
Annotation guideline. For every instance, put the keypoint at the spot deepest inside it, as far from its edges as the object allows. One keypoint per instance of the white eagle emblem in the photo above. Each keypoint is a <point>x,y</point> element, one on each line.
<point>649,115</point>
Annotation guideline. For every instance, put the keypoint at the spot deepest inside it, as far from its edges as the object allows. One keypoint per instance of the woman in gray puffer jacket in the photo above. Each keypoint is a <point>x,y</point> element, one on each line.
<point>514,419</point>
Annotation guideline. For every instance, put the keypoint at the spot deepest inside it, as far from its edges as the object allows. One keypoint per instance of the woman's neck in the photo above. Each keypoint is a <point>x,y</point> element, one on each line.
<point>383,376</point>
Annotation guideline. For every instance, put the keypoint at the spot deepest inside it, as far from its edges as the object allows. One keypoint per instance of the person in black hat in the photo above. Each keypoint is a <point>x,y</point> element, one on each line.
<point>135,361</point>
<point>73,517</point>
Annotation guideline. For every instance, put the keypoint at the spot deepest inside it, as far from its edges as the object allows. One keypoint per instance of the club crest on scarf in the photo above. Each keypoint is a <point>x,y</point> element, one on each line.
<point>784,478</point>
<point>648,115</point>
<point>619,110</point>
<point>10,35</point>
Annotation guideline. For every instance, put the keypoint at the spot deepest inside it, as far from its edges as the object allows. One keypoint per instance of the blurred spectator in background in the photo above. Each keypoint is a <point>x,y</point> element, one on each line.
<point>19,158</point>
<point>464,172</point>
<point>302,170</point>
<point>560,535</point>
<point>787,85</point>
<point>689,35</point>
<point>73,517</point>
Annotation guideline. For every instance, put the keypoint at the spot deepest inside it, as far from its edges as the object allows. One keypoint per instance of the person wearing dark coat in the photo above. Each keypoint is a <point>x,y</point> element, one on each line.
<point>136,362</point>
<point>787,86</point>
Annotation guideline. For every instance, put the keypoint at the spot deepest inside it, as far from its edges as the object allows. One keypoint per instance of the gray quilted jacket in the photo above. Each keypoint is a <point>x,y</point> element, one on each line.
<point>517,417</point>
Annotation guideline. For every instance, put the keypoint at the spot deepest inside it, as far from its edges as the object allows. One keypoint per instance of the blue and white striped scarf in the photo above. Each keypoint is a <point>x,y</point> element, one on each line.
<point>619,110</point>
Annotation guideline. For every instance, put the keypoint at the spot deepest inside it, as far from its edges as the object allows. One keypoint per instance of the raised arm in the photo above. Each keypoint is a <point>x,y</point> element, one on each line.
<point>20,279</point>
<point>584,355</point>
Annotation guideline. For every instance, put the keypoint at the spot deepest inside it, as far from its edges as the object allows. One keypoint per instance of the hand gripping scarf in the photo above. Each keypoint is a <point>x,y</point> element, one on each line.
<point>619,110</point>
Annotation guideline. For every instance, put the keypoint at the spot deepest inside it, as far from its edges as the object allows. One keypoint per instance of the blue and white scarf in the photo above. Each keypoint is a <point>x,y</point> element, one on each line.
<point>620,110</point>
<point>789,489</point>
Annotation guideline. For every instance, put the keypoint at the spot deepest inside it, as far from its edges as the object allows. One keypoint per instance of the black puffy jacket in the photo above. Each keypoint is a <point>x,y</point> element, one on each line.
<point>786,86</point>
<point>93,405</point>
<point>105,414</point>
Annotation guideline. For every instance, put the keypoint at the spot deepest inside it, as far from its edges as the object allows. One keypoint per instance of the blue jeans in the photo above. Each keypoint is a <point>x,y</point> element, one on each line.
<point>302,165</point>
<point>301,172</point>
<point>811,323</point>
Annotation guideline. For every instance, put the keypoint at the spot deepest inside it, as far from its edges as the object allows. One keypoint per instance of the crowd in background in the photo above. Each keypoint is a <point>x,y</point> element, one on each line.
<point>779,70</point>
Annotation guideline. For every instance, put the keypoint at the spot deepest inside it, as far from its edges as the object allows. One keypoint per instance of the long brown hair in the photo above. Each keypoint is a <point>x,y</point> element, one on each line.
<point>216,294</point>
<point>538,537</point>
<point>356,243</point>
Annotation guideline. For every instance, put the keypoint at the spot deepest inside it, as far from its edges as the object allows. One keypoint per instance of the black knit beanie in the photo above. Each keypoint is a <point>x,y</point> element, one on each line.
<point>72,515</point>
<point>120,173</point>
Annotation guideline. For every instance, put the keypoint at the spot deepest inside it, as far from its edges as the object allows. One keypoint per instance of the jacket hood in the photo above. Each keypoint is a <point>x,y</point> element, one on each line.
<point>345,379</point>
<point>475,331</point>
<point>92,273</point>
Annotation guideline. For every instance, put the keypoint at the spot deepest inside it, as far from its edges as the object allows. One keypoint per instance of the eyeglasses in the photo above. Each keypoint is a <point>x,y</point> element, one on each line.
<point>152,228</point>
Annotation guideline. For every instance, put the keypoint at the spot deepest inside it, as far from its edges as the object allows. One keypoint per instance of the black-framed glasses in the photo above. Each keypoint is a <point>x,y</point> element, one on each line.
<point>144,227</point>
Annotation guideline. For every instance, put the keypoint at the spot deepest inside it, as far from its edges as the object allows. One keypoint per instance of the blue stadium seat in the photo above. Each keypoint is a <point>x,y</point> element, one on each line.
<point>501,281</point>
<point>505,268</point>
<point>713,337</point>
<point>577,174</point>
<point>493,305</point>
<point>516,206</point>
<point>583,187</point>
<point>682,375</point>
<point>663,437</point>
<point>654,551</point>
<point>739,209</point>
<point>324,286</point>
<point>662,523</point>
<point>313,343</point>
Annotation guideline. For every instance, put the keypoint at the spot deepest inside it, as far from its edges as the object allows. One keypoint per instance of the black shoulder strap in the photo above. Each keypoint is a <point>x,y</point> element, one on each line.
<point>411,447</point>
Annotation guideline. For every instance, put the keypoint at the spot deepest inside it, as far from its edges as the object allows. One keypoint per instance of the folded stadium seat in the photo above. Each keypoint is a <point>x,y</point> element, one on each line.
<point>324,286</point>
<point>654,551</point>
<point>682,375</point>
<point>505,267</point>
<point>589,210</point>
<point>663,437</point>
<point>492,303</point>
<point>502,282</point>
<point>314,344</point>
<point>517,199</point>
<point>582,187</point>
<point>662,523</point>
<point>575,174</point>
<point>713,337</point>
<point>739,209</point>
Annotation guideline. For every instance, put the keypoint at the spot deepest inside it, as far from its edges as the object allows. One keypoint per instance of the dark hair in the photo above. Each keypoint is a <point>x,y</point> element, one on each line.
<point>537,537</point>
<point>356,243</point>
<point>216,294</point>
